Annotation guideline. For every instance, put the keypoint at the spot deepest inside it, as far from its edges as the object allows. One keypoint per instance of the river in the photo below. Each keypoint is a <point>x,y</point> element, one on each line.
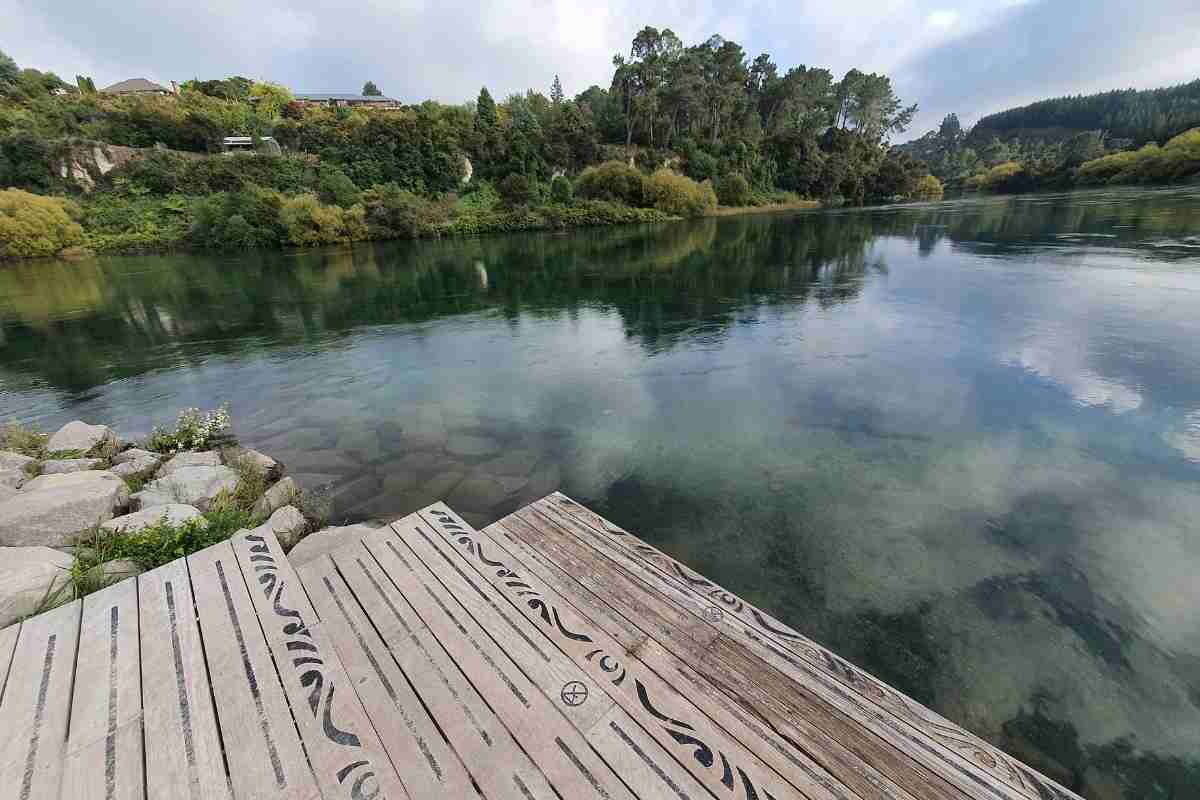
<point>958,443</point>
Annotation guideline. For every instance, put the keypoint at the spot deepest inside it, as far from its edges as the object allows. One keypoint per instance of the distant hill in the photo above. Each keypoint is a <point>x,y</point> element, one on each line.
<point>1152,115</point>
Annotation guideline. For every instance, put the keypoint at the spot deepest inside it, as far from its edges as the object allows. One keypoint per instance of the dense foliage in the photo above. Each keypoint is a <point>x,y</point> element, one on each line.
<point>678,128</point>
<point>31,225</point>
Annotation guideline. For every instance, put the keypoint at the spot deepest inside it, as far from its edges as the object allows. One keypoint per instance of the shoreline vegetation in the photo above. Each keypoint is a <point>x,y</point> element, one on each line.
<point>680,132</point>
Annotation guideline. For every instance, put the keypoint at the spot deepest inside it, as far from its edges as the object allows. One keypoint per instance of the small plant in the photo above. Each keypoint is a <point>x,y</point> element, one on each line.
<point>194,430</point>
<point>16,438</point>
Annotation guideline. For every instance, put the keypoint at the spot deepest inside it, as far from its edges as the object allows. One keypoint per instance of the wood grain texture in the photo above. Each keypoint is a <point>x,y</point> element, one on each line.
<point>342,745</point>
<point>104,747</point>
<point>183,758</point>
<point>35,715</point>
<point>262,746</point>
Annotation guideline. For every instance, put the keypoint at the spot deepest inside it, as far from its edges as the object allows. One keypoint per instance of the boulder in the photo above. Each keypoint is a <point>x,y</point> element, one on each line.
<point>114,571</point>
<point>272,469</point>
<point>50,509</point>
<point>326,541</point>
<point>135,454</point>
<point>194,486</point>
<point>13,478</point>
<point>14,461</point>
<point>6,492</point>
<point>80,436</point>
<point>208,458</point>
<point>288,525</point>
<point>61,466</point>
<point>277,497</point>
<point>29,576</point>
<point>174,513</point>
<point>141,465</point>
<point>477,493</point>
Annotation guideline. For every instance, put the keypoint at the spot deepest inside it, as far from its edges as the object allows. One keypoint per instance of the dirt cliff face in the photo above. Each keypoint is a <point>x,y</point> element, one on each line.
<point>84,162</point>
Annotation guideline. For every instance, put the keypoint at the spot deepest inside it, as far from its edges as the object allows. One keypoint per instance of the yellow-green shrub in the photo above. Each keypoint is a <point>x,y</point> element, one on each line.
<point>309,222</point>
<point>677,194</point>
<point>928,187</point>
<point>32,225</point>
<point>613,180</point>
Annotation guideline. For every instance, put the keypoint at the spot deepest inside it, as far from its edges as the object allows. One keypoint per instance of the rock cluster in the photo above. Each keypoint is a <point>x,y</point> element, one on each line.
<point>86,482</point>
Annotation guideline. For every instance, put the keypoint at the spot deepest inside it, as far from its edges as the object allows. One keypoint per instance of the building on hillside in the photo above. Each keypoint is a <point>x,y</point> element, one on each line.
<point>346,100</point>
<point>250,144</point>
<point>138,86</point>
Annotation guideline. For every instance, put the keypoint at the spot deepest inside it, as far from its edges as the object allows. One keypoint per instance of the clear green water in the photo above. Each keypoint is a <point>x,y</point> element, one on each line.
<point>958,443</point>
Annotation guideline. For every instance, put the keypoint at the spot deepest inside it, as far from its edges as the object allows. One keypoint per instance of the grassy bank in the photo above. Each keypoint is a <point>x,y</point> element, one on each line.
<point>787,205</point>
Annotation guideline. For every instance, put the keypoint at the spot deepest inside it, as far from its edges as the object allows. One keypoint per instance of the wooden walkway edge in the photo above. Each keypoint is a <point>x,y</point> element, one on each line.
<point>550,656</point>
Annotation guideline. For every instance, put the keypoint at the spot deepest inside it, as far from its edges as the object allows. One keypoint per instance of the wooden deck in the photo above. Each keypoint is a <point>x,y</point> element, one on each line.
<point>550,655</point>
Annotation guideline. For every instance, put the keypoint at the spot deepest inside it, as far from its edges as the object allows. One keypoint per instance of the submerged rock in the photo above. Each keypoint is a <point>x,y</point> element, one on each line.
<point>51,509</point>
<point>80,436</point>
<point>28,577</point>
<point>195,486</point>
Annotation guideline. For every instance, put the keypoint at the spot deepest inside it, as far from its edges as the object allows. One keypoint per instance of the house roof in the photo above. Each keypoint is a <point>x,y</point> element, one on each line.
<point>324,97</point>
<point>135,85</point>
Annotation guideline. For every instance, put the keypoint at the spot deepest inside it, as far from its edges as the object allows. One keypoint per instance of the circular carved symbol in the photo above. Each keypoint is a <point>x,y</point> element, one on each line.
<point>713,614</point>
<point>574,693</point>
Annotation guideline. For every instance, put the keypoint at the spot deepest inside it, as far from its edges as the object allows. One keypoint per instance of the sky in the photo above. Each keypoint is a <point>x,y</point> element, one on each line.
<point>972,57</point>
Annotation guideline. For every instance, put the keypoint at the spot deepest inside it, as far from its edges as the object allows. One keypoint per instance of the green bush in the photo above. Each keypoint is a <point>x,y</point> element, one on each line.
<point>1177,160</point>
<point>308,222</point>
<point>392,213</point>
<point>516,190</point>
<point>335,187</point>
<point>928,187</point>
<point>561,190</point>
<point>251,217</point>
<point>615,181</point>
<point>677,194</point>
<point>733,190</point>
<point>31,225</point>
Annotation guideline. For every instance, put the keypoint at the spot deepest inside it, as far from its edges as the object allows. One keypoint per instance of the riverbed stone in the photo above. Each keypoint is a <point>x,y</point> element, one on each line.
<point>80,436</point>
<point>467,444</point>
<point>61,466</point>
<point>513,462</point>
<point>351,493</point>
<point>7,492</point>
<point>326,541</point>
<point>312,481</point>
<point>135,454</point>
<point>195,486</point>
<point>207,458</point>
<point>13,478</point>
<point>14,461</point>
<point>320,461</point>
<point>138,466</point>
<point>278,496</point>
<point>173,513</point>
<point>477,493</point>
<point>50,509</point>
<point>360,443</point>
<point>28,575</point>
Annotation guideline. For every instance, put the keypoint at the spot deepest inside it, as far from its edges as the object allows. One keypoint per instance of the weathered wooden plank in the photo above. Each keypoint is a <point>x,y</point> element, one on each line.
<point>975,766</point>
<point>427,766</point>
<point>183,756</point>
<point>104,746</point>
<point>779,749</point>
<point>37,704</point>
<point>8,644</point>
<point>342,745</point>
<point>487,750</point>
<point>262,746</point>
<point>869,763</point>
<point>500,657</point>
<point>703,748</point>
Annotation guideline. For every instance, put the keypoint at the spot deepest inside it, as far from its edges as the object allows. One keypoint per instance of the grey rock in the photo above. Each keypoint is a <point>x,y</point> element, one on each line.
<point>327,541</point>
<point>320,461</point>
<point>6,492</point>
<point>50,509</point>
<point>14,461</point>
<point>356,491</point>
<point>80,436</point>
<point>441,485</point>
<point>277,496</point>
<point>173,513</point>
<point>269,467</point>
<point>61,466</point>
<point>135,454</point>
<point>139,466</point>
<point>114,571</point>
<point>194,486</point>
<point>28,576</point>
<point>362,444</point>
<point>287,524</point>
<point>312,481</point>
<point>208,458</point>
<point>466,444</point>
<point>13,478</point>
<point>513,462</point>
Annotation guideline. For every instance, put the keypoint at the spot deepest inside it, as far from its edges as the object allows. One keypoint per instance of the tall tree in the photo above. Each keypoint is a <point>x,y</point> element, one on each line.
<point>371,90</point>
<point>556,91</point>
<point>8,70</point>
